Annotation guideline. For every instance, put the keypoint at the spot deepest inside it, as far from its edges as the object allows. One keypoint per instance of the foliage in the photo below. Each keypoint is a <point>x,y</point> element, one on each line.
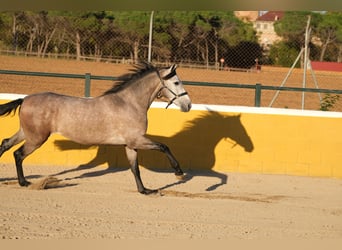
<point>178,35</point>
<point>328,102</point>
<point>330,32</point>
<point>283,54</point>
<point>326,34</point>
<point>243,55</point>
<point>181,36</point>
<point>292,26</point>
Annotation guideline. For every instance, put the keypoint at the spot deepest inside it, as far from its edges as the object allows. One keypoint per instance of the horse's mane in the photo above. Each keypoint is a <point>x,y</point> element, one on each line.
<point>139,70</point>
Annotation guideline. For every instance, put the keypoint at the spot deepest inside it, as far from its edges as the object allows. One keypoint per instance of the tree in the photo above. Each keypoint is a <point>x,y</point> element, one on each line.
<point>161,46</point>
<point>326,33</point>
<point>81,32</point>
<point>179,28</point>
<point>45,26</point>
<point>201,36</point>
<point>201,31</point>
<point>242,48</point>
<point>35,29</point>
<point>293,24</point>
<point>205,35</point>
<point>243,55</point>
<point>134,27</point>
<point>329,31</point>
<point>219,31</point>
<point>283,54</point>
<point>6,37</point>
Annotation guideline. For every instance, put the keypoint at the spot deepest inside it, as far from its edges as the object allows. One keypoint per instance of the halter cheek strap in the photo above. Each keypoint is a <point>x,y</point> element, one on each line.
<point>175,96</point>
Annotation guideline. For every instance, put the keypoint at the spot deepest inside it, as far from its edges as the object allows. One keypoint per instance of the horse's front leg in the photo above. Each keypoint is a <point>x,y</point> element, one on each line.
<point>174,163</point>
<point>132,156</point>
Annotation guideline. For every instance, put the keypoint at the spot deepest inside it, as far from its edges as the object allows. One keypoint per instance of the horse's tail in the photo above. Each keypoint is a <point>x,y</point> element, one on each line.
<point>7,108</point>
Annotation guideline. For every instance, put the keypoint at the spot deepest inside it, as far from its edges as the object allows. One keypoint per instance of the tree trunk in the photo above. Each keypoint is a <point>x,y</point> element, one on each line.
<point>135,51</point>
<point>14,32</point>
<point>207,53</point>
<point>324,48</point>
<point>78,46</point>
<point>40,49</point>
<point>339,57</point>
<point>216,53</point>
<point>97,53</point>
<point>29,45</point>
<point>48,38</point>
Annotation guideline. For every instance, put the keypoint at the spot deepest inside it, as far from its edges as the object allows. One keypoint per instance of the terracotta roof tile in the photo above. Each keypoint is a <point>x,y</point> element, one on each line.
<point>271,16</point>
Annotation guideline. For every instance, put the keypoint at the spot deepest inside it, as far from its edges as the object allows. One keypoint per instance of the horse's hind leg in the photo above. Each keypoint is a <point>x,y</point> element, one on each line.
<point>6,144</point>
<point>132,156</point>
<point>19,156</point>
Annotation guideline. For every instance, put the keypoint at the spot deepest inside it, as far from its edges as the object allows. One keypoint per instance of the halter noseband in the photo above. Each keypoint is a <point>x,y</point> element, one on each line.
<point>162,79</point>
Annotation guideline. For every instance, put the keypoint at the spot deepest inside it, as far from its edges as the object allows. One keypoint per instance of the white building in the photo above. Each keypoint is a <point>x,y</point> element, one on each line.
<point>264,25</point>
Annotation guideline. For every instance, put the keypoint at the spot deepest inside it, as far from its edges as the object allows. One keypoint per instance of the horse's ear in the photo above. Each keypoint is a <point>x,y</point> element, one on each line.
<point>170,72</point>
<point>173,67</point>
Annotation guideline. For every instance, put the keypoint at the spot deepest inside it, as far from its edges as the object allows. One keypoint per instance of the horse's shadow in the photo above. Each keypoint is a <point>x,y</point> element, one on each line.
<point>198,139</point>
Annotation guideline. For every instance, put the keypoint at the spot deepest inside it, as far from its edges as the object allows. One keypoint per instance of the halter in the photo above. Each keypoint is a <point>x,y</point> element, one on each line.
<point>168,76</point>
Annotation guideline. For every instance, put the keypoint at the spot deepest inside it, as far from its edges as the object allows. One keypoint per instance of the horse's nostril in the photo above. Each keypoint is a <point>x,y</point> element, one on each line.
<point>189,106</point>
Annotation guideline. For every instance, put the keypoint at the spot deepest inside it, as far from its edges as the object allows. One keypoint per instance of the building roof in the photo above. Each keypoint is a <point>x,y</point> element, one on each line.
<point>327,66</point>
<point>271,16</point>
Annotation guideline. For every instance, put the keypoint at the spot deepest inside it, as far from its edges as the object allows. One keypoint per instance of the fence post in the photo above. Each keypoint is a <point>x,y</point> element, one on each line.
<point>87,85</point>
<point>257,95</point>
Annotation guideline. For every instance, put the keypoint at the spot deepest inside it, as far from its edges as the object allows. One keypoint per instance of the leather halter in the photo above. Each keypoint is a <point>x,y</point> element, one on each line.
<point>162,79</point>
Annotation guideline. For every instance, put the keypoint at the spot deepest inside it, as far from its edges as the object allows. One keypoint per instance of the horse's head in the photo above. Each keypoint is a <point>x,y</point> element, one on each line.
<point>173,89</point>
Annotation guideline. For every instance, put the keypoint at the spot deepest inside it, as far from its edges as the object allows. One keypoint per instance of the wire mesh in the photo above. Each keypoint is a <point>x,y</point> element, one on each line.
<point>256,44</point>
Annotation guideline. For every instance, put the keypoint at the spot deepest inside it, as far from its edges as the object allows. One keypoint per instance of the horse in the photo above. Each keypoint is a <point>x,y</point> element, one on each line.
<point>117,117</point>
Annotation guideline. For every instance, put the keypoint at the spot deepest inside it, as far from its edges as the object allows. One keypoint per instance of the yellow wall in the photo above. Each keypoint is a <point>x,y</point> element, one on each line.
<point>246,140</point>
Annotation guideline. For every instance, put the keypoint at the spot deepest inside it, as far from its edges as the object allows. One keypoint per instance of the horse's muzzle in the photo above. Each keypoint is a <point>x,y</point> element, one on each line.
<point>186,107</point>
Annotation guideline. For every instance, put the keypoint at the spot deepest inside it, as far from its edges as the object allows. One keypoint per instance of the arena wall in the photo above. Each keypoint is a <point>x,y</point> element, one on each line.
<point>215,138</point>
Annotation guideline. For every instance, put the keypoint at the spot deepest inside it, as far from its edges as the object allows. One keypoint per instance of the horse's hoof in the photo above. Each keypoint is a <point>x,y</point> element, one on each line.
<point>147,191</point>
<point>180,177</point>
<point>24,183</point>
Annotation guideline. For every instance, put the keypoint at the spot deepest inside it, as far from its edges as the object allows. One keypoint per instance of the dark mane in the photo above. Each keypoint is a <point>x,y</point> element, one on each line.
<point>138,71</point>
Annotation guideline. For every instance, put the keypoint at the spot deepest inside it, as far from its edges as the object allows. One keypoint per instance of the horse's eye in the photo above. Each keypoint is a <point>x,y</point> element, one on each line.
<point>176,83</point>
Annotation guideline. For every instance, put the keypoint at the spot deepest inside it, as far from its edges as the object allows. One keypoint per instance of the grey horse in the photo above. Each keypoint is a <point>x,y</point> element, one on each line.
<point>118,117</point>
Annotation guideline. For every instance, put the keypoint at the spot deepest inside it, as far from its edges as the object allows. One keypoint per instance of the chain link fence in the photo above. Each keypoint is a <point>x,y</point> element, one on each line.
<point>250,42</point>
<point>209,39</point>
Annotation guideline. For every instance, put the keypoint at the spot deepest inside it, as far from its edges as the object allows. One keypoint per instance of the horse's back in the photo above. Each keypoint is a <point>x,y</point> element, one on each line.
<point>45,107</point>
<point>51,97</point>
<point>46,113</point>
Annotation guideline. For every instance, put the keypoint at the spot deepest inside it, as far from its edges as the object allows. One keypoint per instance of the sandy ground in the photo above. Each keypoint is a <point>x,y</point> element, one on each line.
<point>102,203</point>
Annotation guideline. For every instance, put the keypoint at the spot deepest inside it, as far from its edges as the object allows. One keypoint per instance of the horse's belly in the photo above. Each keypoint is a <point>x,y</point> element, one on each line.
<point>98,127</point>
<point>93,137</point>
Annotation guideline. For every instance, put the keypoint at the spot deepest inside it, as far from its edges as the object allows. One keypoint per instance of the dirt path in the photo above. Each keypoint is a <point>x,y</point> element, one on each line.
<point>101,203</point>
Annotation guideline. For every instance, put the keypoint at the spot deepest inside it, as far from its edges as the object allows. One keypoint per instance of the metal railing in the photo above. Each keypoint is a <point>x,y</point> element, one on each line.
<point>258,87</point>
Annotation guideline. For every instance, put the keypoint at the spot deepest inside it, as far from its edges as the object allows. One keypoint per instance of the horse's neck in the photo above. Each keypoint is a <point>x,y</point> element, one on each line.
<point>142,92</point>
